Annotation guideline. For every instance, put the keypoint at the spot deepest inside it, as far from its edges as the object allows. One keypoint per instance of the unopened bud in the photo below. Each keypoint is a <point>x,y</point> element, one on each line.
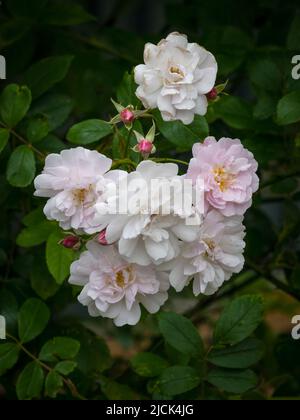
<point>71,242</point>
<point>145,147</point>
<point>102,238</point>
<point>127,116</point>
<point>212,95</point>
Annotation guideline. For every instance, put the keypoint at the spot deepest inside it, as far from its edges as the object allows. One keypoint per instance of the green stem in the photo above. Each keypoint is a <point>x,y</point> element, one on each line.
<point>120,162</point>
<point>270,278</point>
<point>195,314</point>
<point>66,381</point>
<point>22,140</point>
<point>166,160</point>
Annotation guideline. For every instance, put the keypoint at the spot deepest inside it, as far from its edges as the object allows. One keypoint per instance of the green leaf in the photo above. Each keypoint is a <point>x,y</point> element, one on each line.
<point>265,107</point>
<point>288,109</point>
<point>30,382</point>
<point>293,40</point>
<point>183,136</point>
<point>46,73</point>
<point>65,368</point>
<point>14,103</point>
<point>53,384</point>
<point>235,112</point>
<point>176,357</point>
<point>239,320</point>
<point>37,129</point>
<point>55,107</point>
<point>177,380</point>
<point>9,355</point>
<point>65,13</point>
<point>94,355</point>
<point>35,234</point>
<point>58,258</point>
<point>36,216</point>
<point>41,281</point>
<point>240,356</point>
<point>4,137</point>
<point>148,365</point>
<point>126,91</point>
<point>59,348</point>
<point>265,75</point>
<point>33,318</point>
<point>235,382</point>
<point>115,391</point>
<point>180,333</point>
<point>52,144</point>
<point>21,167</point>
<point>89,131</point>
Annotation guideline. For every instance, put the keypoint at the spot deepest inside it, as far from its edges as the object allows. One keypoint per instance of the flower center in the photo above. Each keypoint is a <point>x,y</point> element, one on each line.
<point>176,70</point>
<point>223,178</point>
<point>80,195</point>
<point>124,277</point>
<point>210,246</point>
<point>177,74</point>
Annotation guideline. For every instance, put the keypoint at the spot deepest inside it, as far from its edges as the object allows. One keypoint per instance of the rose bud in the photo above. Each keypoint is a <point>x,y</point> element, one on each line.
<point>70,242</point>
<point>102,238</point>
<point>145,147</point>
<point>127,116</point>
<point>212,95</point>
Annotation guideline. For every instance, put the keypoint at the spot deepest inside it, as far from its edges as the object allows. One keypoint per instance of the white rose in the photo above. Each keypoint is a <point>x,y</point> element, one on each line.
<point>175,78</point>
<point>147,234</point>
<point>214,257</point>
<point>74,181</point>
<point>114,288</point>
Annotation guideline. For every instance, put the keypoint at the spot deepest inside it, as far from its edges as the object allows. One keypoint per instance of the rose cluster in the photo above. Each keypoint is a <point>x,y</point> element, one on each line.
<point>132,258</point>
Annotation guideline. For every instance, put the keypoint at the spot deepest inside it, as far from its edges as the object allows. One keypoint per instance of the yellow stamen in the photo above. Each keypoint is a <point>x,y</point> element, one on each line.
<point>120,280</point>
<point>80,195</point>
<point>223,178</point>
<point>176,70</point>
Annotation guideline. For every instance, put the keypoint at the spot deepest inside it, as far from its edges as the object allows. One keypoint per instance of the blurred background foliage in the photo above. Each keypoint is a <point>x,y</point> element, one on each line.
<point>72,56</point>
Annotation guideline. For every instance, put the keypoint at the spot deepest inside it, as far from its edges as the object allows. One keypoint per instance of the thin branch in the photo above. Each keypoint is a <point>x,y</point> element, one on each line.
<point>71,386</point>
<point>22,140</point>
<point>166,160</point>
<point>118,163</point>
<point>194,315</point>
<point>272,279</point>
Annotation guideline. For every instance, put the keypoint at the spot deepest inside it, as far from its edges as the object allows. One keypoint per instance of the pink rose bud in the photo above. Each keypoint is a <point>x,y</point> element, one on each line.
<point>212,95</point>
<point>145,147</point>
<point>127,116</point>
<point>102,238</point>
<point>70,242</point>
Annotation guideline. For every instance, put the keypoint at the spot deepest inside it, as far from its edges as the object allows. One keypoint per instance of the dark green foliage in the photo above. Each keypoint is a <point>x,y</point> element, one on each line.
<point>65,61</point>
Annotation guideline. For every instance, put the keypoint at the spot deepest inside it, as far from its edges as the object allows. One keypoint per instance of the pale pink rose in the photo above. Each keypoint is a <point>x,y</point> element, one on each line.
<point>229,174</point>
<point>74,181</point>
<point>213,258</point>
<point>114,288</point>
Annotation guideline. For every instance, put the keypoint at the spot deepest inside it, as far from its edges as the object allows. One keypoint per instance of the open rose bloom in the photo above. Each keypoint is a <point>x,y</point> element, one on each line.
<point>114,288</point>
<point>131,258</point>
<point>175,78</point>
<point>229,174</point>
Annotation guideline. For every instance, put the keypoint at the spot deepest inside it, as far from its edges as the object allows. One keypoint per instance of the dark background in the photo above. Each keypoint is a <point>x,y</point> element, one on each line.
<point>254,42</point>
